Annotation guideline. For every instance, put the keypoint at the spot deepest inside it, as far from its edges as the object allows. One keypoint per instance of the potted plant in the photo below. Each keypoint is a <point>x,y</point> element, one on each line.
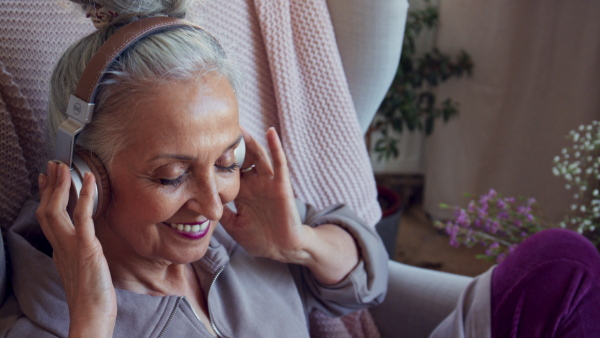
<point>411,105</point>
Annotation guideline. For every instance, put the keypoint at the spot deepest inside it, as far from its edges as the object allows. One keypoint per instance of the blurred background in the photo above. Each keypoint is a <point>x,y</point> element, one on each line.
<point>535,77</point>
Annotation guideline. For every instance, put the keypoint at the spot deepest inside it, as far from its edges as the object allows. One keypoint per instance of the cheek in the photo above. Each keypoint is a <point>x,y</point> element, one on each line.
<point>140,204</point>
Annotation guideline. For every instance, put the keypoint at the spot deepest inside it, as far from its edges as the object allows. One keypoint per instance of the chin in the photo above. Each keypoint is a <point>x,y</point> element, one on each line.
<point>186,258</point>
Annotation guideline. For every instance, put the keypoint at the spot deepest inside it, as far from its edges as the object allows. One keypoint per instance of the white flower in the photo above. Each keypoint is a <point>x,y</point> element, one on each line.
<point>596,193</point>
<point>582,208</point>
<point>555,171</point>
<point>568,186</point>
<point>573,207</point>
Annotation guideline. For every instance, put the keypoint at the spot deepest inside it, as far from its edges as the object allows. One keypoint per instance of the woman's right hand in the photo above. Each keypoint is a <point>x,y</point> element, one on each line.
<point>77,253</point>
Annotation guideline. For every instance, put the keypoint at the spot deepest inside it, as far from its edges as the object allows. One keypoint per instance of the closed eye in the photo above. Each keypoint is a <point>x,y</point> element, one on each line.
<point>173,182</point>
<point>229,169</point>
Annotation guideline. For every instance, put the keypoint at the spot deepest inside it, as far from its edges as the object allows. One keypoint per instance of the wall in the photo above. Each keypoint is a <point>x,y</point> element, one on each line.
<point>536,76</point>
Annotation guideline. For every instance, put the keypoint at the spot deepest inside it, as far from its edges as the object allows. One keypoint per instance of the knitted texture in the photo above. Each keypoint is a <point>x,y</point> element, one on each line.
<point>294,82</point>
<point>29,47</point>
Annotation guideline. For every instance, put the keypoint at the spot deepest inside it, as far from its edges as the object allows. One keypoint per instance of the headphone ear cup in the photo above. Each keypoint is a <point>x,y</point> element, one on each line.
<point>86,161</point>
<point>240,152</point>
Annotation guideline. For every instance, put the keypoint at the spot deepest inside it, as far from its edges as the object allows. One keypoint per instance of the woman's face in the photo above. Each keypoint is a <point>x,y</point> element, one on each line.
<point>171,181</point>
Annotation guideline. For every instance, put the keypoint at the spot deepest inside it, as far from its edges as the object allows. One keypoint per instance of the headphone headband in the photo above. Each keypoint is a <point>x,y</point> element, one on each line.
<point>81,107</point>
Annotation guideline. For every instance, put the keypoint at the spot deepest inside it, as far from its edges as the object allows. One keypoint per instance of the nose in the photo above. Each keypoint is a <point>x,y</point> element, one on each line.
<point>204,198</point>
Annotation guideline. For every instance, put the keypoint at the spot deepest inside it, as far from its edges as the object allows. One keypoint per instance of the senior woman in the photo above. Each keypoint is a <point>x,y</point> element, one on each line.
<point>166,256</point>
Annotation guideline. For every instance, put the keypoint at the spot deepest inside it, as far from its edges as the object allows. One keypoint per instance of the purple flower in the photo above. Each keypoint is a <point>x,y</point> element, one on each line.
<point>501,204</point>
<point>531,201</point>
<point>462,219</point>
<point>494,227</point>
<point>449,227</point>
<point>509,200</point>
<point>483,211</point>
<point>472,207</point>
<point>454,229</point>
<point>492,248</point>
<point>523,210</point>
<point>503,215</point>
<point>483,201</point>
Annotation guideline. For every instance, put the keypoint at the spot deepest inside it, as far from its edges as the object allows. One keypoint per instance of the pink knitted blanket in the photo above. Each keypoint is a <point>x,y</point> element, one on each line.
<point>295,82</point>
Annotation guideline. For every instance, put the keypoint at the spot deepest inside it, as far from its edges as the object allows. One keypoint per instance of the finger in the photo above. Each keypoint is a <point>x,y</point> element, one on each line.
<point>42,180</point>
<point>228,218</point>
<point>61,185</point>
<point>277,154</point>
<point>82,215</point>
<point>42,211</point>
<point>56,210</point>
<point>49,185</point>
<point>256,154</point>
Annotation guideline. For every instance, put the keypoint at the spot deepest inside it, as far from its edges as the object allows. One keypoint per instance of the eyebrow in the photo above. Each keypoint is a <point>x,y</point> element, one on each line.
<point>190,158</point>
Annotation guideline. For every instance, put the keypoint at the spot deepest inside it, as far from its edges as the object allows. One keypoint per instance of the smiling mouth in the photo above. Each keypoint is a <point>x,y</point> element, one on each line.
<point>191,228</point>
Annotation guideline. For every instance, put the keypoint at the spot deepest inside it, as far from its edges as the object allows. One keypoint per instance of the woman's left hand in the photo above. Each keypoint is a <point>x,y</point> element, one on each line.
<point>267,222</point>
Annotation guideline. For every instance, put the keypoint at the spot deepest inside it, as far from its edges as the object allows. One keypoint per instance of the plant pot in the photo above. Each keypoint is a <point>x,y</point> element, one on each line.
<point>387,228</point>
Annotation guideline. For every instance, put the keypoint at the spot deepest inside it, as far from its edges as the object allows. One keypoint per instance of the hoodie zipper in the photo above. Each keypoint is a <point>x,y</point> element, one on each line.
<point>210,316</point>
<point>162,333</point>
<point>210,313</point>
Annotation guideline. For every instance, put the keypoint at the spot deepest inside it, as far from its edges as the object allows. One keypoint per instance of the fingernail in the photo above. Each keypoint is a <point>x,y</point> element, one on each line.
<point>49,168</point>
<point>61,170</point>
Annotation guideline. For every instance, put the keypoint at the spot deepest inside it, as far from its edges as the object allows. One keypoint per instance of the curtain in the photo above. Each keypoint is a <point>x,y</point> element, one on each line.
<point>536,77</point>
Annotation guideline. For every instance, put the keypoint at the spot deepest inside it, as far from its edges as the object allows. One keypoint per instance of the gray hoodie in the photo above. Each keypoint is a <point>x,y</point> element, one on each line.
<point>247,296</point>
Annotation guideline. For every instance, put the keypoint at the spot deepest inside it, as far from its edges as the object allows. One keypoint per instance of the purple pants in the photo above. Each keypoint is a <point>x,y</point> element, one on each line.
<point>548,287</point>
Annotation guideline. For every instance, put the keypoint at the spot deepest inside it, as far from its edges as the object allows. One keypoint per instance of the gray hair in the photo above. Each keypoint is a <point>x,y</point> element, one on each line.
<point>178,54</point>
